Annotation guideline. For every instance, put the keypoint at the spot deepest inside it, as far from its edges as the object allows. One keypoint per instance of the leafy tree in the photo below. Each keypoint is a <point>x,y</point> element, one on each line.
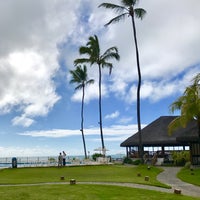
<point>127,9</point>
<point>80,77</point>
<point>94,56</point>
<point>189,105</point>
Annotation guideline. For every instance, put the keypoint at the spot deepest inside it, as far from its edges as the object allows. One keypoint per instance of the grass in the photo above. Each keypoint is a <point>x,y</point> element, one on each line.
<point>83,192</point>
<point>107,173</point>
<point>190,176</point>
<point>112,173</point>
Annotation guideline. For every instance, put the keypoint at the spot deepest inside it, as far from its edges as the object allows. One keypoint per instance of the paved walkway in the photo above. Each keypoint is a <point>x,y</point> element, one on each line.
<point>168,176</point>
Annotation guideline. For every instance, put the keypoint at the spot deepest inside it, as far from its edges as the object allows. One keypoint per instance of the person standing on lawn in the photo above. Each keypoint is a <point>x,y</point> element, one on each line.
<point>64,158</point>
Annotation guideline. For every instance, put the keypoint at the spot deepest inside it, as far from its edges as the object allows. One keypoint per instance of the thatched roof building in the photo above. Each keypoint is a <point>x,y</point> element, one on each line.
<point>156,135</point>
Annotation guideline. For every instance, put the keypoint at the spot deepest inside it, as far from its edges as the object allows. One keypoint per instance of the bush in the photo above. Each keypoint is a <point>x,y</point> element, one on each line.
<point>127,160</point>
<point>96,155</point>
<point>181,158</point>
<point>130,161</point>
<point>137,162</point>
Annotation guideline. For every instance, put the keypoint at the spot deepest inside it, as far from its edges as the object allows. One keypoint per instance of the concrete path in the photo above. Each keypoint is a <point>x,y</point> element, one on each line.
<point>168,176</point>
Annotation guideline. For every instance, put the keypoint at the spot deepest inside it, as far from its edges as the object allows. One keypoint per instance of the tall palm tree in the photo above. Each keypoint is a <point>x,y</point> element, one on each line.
<point>127,9</point>
<point>80,77</point>
<point>94,56</point>
<point>189,105</point>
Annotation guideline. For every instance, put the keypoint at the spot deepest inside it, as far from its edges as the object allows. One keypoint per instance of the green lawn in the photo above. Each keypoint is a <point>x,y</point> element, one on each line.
<point>106,173</point>
<point>189,176</point>
<point>83,192</point>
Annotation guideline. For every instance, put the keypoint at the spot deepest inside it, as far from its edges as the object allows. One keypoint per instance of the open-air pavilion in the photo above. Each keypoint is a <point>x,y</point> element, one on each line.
<point>155,138</point>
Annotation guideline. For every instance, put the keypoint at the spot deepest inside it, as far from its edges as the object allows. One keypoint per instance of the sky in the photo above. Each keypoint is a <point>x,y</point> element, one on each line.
<point>39,40</point>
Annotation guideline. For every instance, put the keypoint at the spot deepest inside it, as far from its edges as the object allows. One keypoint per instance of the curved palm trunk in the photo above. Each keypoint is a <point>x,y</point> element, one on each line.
<point>82,121</point>
<point>100,111</point>
<point>138,89</point>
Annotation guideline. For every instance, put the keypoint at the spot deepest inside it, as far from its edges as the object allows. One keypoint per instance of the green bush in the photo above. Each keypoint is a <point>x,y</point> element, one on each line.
<point>181,158</point>
<point>137,162</point>
<point>130,161</point>
<point>96,155</point>
<point>127,160</point>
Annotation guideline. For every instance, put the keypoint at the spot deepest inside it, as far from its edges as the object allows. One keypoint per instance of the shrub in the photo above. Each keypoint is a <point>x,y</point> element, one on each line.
<point>127,160</point>
<point>180,158</point>
<point>96,155</point>
<point>137,162</point>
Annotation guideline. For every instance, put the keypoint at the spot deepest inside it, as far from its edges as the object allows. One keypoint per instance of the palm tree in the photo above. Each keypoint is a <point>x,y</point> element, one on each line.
<point>94,56</point>
<point>80,77</point>
<point>125,10</point>
<point>189,105</point>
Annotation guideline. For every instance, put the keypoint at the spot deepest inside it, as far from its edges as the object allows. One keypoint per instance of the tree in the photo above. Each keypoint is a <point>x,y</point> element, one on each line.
<point>80,77</point>
<point>94,56</point>
<point>189,105</point>
<point>127,9</point>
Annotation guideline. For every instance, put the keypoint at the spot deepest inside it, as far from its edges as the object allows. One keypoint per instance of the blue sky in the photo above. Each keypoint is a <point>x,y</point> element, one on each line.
<point>39,109</point>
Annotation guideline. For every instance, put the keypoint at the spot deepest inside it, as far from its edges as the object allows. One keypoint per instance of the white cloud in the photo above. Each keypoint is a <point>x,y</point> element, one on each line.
<point>125,120</point>
<point>168,46</point>
<point>30,32</point>
<point>115,130</point>
<point>112,115</point>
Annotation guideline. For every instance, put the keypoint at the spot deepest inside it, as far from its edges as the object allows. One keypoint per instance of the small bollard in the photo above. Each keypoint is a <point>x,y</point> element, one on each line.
<point>177,191</point>
<point>138,174</point>
<point>146,178</point>
<point>72,181</point>
<point>62,178</point>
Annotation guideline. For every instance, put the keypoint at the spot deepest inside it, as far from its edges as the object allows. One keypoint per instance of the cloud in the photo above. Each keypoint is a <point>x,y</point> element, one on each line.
<point>115,130</point>
<point>125,120</point>
<point>30,32</point>
<point>28,152</point>
<point>112,115</point>
<point>168,47</point>
<point>35,34</point>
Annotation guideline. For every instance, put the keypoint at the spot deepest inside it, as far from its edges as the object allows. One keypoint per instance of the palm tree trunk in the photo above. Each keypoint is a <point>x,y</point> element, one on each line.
<point>100,111</point>
<point>82,121</point>
<point>138,89</point>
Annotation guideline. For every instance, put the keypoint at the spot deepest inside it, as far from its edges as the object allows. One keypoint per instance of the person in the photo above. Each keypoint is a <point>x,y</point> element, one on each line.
<point>64,158</point>
<point>60,160</point>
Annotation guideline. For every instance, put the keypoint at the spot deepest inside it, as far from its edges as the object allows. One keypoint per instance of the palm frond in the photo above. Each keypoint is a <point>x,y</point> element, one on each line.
<point>84,50</point>
<point>118,9</point>
<point>111,53</point>
<point>117,19</point>
<point>80,86</point>
<point>196,80</point>
<point>175,124</point>
<point>140,13</point>
<point>129,3</point>
<point>91,81</point>
<point>108,65</point>
<point>81,60</point>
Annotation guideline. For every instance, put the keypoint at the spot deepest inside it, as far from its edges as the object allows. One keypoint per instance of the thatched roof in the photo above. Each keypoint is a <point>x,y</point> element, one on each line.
<point>156,134</point>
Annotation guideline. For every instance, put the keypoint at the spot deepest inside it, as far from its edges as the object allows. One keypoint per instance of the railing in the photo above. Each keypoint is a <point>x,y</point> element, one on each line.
<point>6,162</point>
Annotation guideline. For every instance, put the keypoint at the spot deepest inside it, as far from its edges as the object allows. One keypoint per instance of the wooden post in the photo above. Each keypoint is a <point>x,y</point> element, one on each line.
<point>72,181</point>
<point>177,191</point>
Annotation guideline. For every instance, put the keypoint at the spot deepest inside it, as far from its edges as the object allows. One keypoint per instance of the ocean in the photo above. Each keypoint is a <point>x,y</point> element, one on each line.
<point>39,161</point>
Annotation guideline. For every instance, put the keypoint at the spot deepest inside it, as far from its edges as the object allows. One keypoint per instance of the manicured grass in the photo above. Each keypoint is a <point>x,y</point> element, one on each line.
<point>190,176</point>
<point>83,192</point>
<point>107,173</point>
